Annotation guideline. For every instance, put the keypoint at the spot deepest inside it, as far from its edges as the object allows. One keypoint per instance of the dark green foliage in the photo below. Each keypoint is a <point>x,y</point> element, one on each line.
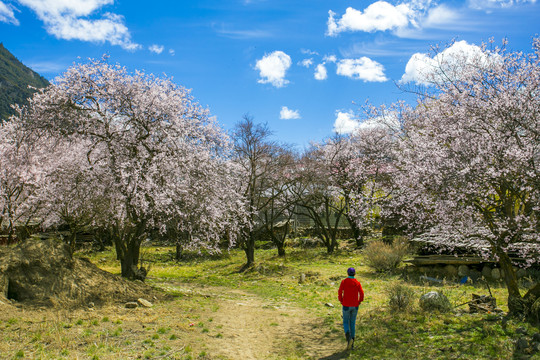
<point>15,78</point>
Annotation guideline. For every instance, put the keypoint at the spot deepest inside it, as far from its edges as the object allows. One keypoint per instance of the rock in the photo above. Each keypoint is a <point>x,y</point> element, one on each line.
<point>144,303</point>
<point>522,344</point>
<point>302,279</point>
<point>534,311</point>
<point>521,273</point>
<point>463,270</point>
<point>486,272</point>
<point>329,305</point>
<point>475,274</point>
<point>496,274</point>
<point>451,270</point>
<point>131,305</point>
<point>434,300</point>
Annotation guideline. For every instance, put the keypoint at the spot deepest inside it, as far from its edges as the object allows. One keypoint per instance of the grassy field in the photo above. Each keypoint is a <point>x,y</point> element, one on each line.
<point>207,294</point>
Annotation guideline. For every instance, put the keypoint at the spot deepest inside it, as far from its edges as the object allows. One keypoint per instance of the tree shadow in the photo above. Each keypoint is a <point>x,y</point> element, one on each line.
<point>337,356</point>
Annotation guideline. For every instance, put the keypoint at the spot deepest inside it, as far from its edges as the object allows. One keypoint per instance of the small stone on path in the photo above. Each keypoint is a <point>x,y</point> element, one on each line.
<point>131,305</point>
<point>144,303</point>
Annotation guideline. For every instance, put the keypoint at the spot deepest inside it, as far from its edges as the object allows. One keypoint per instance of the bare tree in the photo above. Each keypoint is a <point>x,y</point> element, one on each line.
<point>262,161</point>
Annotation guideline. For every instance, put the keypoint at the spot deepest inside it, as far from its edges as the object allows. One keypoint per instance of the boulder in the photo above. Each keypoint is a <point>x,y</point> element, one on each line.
<point>131,305</point>
<point>451,271</point>
<point>463,270</point>
<point>486,272</point>
<point>521,273</point>
<point>434,300</point>
<point>475,274</point>
<point>522,344</point>
<point>534,311</point>
<point>145,303</point>
<point>496,274</point>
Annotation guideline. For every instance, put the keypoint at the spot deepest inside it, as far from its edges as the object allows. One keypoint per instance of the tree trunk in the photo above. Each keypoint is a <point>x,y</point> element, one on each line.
<point>130,260</point>
<point>359,238</point>
<point>179,249</point>
<point>281,250</point>
<point>279,239</point>
<point>515,301</point>
<point>330,245</point>
<point>128,265</point>
<point>357,233</point>
<point>128,244</point>
<point>249,249</point>
<point>250,254</point>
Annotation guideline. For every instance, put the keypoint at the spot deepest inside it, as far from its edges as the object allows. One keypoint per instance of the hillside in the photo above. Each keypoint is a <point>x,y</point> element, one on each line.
<point>15,78</point>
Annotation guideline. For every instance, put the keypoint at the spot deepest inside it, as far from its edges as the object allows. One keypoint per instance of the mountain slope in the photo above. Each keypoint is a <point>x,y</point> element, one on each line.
<point>15,78</point>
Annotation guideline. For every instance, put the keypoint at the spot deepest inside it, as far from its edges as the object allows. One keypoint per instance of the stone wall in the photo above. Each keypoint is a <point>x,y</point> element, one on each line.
<point>487,271</point>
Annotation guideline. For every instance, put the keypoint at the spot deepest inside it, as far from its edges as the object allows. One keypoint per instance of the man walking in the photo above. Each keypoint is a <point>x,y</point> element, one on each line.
<point>350,295</point>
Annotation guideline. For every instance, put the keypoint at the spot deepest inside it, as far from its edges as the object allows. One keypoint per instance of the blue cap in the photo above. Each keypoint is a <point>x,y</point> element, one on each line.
<point>351,271</point>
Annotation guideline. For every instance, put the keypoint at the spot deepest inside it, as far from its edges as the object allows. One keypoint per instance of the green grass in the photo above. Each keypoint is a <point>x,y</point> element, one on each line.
<point>381,332</point>
<point>414,334</point>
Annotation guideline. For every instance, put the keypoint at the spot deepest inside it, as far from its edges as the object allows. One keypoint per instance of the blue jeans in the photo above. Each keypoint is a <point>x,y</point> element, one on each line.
<point>349,319</point>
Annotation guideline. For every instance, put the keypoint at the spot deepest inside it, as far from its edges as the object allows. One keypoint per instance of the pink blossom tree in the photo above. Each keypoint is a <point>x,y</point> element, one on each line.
<point>470,156</point>
<point>154,153</point>
<point>359,167</point>
<point>317,197</point>
<point>21,177</point>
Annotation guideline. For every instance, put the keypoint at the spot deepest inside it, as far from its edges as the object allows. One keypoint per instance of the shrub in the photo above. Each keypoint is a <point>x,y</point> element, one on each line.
<point>435,300</point>
<point>400,297</point>
<point>385,257</point>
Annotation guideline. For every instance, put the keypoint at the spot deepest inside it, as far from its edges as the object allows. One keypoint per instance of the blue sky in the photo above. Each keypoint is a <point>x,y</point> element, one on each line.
<point>304,67</point>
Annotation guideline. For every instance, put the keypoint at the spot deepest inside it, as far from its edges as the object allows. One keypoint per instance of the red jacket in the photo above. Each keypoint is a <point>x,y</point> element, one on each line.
<point>350,292</point>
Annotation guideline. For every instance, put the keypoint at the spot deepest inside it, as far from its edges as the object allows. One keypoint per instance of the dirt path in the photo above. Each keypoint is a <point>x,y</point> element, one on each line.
<point>253,328</point>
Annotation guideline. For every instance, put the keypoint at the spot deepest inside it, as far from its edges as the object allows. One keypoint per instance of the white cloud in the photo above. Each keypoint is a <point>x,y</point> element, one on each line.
<point>65,19</point>
<point>309,52</point>
<point>440,15</point>
<point>288,114</point>
<point>320,72</point>
<point>7,15</point>
<point>244,34</point>
<point>361,69</point>
<point>273,68</point>
<point>306,63</point>
<point>73,8</point>
<point>446,65</point>
<point>330,58</point>
<point>493,4</point>
<point>379,16</point>
<point>405,19</point>
<point>345,122</point>
<point>172,52</point>
<point>158,49</point>
<point>389,121</point>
